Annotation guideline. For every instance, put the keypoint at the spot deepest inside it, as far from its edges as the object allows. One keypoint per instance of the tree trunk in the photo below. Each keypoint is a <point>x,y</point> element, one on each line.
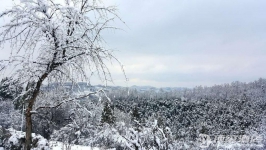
<point>31,101</point>
<point>29,119</point>
<point>28,129</point>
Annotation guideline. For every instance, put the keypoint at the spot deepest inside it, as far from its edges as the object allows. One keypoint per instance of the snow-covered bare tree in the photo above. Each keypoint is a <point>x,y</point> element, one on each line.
<point>55,41</point>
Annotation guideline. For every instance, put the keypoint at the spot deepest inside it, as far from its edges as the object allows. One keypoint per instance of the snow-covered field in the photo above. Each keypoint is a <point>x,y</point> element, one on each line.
<point>43,143</point>
<point>62,146</point>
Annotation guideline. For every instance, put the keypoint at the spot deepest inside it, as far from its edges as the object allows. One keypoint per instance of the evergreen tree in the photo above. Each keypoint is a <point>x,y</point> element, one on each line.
<point>107,114</point>
<point>9,89</point>
<point>135,115</point>
<point>4,90</point>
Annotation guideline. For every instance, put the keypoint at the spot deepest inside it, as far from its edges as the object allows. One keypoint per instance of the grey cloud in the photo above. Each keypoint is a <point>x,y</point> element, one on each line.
<point>183,22</point>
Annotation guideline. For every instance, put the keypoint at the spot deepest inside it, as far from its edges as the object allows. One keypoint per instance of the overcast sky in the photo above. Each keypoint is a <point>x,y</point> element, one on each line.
<point>185,43</point>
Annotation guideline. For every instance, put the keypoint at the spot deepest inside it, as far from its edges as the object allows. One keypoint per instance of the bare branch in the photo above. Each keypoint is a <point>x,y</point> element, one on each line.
<point>58,105</point>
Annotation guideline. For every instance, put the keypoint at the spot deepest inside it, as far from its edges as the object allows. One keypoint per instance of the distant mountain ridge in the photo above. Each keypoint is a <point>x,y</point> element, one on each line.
<point>83,86</point>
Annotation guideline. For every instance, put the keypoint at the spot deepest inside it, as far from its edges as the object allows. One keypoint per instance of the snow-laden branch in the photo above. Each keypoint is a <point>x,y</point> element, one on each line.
<point>56,42</point>
<point>60,35</point>
<point>73,99</point>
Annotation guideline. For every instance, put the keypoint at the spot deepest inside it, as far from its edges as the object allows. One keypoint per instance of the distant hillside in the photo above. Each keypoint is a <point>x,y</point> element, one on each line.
<point>84,87</point>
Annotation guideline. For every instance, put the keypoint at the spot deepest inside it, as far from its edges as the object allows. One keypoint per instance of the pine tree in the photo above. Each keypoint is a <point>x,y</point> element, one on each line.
<point>107,114</point>
<point>135,115</point>
<point>9,89</point>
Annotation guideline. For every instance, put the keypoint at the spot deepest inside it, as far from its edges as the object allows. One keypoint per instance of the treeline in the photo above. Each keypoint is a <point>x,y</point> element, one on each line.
<point>128,118</point>
<point>230,109</point>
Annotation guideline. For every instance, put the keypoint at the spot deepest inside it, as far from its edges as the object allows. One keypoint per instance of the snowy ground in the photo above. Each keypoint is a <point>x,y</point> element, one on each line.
<point>16,137</point>
<point>61,146</point>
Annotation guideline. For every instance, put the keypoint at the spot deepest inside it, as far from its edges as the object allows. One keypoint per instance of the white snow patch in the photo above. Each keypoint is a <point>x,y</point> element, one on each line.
<point>60,146</point>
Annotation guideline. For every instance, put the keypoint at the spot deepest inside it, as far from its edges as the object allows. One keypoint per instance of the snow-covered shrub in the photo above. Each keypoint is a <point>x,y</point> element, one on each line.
<point>4,134</point>
<point>39,143</point>
<point>109,136</point>
<point>68,134</point>
<point>141,137</point>
<point>15,140</point>
<point>9,117</point>
<point>47,120</point>
<point>84,120</point>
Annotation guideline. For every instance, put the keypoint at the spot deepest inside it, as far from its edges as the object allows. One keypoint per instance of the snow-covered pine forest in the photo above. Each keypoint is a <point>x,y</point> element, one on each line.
<point>57,47</point>
<point>131,118</point>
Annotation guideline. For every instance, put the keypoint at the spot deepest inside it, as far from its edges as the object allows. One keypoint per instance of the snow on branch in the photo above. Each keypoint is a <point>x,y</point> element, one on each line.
<point>58,39</point>
<point>70,100</point>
